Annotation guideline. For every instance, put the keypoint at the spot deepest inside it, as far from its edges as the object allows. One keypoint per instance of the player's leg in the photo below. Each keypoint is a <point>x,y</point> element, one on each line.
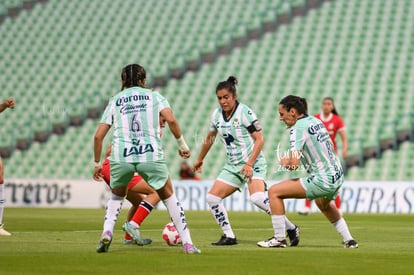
<point>135,199</point>
<point>338,202</point>
<point>177,215</point>
<point>121,173</point>
<point>143,208</point>
<point>259,198</point>
<point>334,216</point>
<point>156,175</point>
<point>219,191</point>
<point>291,188</point>
<point>3,232</point>
<point>257,186</point>
<point>147,204</point>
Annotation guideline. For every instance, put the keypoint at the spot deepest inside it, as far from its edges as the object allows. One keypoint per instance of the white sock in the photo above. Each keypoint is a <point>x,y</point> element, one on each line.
<point>279,227</point>
<point>1,202</point>
<point>289,225</point>
<point>113,207</point>
<point>342,228</point>
<point>177,215</point>
<point>261,200</point>
<point>220,214</point>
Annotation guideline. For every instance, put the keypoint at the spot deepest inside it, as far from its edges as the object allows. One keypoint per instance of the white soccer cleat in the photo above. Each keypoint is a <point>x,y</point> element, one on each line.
<point>272,243</point>
<point>3,232</point>
<point>305,211</point>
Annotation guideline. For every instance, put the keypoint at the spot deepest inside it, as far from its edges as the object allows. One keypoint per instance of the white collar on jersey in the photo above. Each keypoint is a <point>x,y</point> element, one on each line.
<point>327,119</point>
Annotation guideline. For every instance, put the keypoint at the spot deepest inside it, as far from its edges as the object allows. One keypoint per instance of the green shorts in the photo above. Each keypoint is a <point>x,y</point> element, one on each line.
<point>231,173</point>
<point>317,187</point>
<point>155,173</point>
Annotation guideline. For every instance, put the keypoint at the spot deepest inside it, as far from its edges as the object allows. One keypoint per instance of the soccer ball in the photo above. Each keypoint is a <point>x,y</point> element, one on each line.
<point>170,235</point>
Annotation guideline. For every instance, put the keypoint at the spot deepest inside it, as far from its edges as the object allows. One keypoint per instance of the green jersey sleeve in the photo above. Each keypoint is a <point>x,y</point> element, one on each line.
<point>250,121</point>
<point>297,137</point>
<point>162,101</point>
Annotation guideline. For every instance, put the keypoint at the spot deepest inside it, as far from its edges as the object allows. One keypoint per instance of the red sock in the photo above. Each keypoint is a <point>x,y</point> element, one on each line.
<point>142,212</point>
<point>338,202</point>
<point>127,237</point>
<point>307,203</point>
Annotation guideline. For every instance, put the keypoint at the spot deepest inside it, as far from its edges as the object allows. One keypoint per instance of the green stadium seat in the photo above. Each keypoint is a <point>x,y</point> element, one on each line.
<point>345,49</point>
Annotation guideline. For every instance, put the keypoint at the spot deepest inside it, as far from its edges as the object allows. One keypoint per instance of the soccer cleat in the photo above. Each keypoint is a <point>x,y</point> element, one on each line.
<point>351,244</point>
<point>3,232</point>
<point>294,235</point>
<point>127,242</point>
<point>191,249</point>
<point>305,211</point>
<point>224,240</point>
<point>104,242</point>
<point>145,241</point>
<point>272,243</point>
<point>134,233</point>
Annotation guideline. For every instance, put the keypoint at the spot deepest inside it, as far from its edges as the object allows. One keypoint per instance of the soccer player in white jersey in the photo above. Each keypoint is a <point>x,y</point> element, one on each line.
<point>310,145</point>
<point>8,103</point>
<point>134,113</point>
<point>242,137</point>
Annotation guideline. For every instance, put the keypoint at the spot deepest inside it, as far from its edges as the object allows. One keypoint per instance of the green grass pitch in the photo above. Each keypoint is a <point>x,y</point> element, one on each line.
<point>63,241</point>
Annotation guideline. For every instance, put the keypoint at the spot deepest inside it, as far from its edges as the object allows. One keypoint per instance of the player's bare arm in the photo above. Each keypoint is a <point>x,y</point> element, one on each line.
<point>97,149</point>
<point>183,149</point>
<point>8,103</point>
<point>292,162</point>
<point>247,169</point>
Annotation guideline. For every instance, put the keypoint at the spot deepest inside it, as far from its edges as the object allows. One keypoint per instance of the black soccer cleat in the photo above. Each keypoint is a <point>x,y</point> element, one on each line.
<point>294,236</point>
<point>351,244</point>
<point>224,240</point>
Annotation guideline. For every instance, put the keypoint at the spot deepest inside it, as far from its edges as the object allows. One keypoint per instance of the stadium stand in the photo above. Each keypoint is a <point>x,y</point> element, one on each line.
<point>350,50</point>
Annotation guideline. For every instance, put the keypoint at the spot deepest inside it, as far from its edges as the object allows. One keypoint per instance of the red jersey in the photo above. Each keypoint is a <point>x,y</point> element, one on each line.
<point>333,124</point>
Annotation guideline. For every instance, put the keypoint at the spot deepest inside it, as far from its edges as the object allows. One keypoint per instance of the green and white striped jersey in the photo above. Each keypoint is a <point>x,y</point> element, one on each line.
<point>236,133</point>
<point>310,137</point>
<point>134,115</point>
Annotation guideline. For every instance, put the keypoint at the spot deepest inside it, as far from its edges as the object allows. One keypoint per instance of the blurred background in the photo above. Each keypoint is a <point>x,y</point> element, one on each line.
<point>61,62</point>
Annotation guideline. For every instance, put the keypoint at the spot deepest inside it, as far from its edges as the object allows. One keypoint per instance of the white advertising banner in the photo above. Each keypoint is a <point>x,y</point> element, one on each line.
<point>357,196</point>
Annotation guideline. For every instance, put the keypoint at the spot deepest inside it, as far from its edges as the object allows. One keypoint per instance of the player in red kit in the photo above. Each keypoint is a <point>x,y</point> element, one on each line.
<point>334,124</point>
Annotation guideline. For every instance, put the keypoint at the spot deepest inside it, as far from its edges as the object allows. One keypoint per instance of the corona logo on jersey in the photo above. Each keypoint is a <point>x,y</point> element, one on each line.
<point>126,99</point>
<point>321,136</point>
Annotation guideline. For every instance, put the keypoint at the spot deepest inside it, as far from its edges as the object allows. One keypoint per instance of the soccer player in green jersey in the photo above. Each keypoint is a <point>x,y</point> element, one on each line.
<point>134,113</point>
<point>241,134</point>
<point>310,145</point>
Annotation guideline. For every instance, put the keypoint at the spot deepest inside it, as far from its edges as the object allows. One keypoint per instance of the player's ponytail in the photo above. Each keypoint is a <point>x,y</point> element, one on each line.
<point>229,84</point>
<point>133,75</point>
<point>334,111</point>
<point>296,102</point>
